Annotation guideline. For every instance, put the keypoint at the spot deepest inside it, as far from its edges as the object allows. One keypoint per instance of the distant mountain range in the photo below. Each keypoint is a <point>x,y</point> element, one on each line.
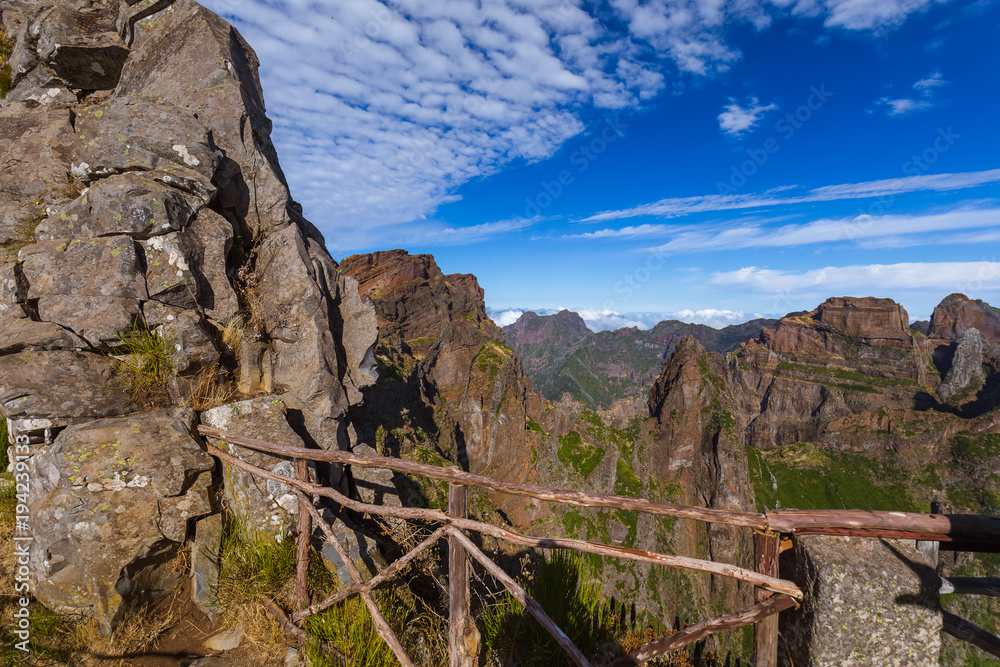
<point>608,369</point>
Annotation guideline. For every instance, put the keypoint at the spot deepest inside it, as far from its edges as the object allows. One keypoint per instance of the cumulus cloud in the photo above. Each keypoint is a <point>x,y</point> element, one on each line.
<point>717,319</point>
<point>382,109</point>
<point>735,119</point>
<point>506,317</point>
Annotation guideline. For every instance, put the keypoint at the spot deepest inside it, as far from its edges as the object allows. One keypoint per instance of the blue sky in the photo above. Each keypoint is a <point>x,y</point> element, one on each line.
<point>698,159</point>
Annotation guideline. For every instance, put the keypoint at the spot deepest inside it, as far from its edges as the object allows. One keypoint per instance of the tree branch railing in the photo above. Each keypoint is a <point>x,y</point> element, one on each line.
<point>774,594</point>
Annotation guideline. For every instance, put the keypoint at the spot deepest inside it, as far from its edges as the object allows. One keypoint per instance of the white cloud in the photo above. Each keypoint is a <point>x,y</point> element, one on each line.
<point>904,105</point>
<point>611,320</point>
<point>504,318</point>
<point>889,187</point>
<point>941,276</point>
<point>735,119</point>
<point>712,317</point>
<point>382,109</point>
<point>926,87</point>
<point>856,229</point>
<point>930,82</point>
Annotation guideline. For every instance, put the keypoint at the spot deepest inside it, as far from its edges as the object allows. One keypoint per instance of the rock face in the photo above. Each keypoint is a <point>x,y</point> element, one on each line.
<point>142,210</point>
<point>966,365</point>
<point>609,371</point>
<point>867,601</point>
<point>263,505</point>
<point>838,408</point>
<point>111,503</point>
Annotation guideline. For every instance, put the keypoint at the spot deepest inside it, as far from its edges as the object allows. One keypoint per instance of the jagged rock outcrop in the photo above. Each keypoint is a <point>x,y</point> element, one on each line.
<point>462,386</point>
<point>142,204</point>
<point>966,365</point>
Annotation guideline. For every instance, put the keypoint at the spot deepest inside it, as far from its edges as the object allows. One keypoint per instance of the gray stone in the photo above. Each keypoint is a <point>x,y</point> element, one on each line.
<point>205,565</point>
<point>374,485</point>
<point>359,335</point>
<point>82,46</point>
<point>17,335</point>
<point>60,385</point>
<point>101,267</point>
<point>297,288</point>
<point>110,505</point>
<point>137,135</point>
<point>92,286</point>
<point>127,203</point>
<point>867,602</point>
<point>97,319</point>
<point>36,148</point>
<point>293,658</point>
<point>263,506</point>
<point>966,365</point>
<point>207,661</point>
<point>220,84</point>
<point>168,276</point>
<point>206,243</point>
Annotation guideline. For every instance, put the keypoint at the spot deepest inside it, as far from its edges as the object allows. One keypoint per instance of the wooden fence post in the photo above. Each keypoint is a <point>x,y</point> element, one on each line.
<point>765,547</point>
<point>304,530</point>
<point>461,653</point>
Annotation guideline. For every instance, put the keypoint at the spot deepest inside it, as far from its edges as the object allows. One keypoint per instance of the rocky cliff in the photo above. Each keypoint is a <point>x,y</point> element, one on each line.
<point>608,371</point>
<point>153,266</point>
<point>846,407</point>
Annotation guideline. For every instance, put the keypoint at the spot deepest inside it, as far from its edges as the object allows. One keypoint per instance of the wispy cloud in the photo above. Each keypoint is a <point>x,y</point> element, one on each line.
<point>940,276</point>
<point>382,109</point>
<point>681,206</point>
<point>735,119</point>
<point>856,229</point>
<point>926,88</point>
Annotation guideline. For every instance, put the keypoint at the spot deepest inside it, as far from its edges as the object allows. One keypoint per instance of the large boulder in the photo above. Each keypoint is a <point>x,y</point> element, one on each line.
<point>60,385</point>
<point>137,135</point>
<point>867,602</point>
<point>110,505</point>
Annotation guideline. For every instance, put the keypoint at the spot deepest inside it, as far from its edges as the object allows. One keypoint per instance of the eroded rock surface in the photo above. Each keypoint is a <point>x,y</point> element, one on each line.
<point>111,502</point>
<point>150,256</point>
<point>868,602</point>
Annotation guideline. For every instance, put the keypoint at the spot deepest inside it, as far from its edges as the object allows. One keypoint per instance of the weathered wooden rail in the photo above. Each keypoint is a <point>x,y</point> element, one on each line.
<point>772,594</point>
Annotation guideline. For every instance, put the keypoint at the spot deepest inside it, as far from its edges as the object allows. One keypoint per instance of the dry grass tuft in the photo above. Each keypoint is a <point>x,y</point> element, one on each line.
<point>211,388</point>
<point>232,333</point>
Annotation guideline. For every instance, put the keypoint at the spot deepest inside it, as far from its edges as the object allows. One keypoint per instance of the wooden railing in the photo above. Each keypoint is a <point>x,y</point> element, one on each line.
<point>773,594</point>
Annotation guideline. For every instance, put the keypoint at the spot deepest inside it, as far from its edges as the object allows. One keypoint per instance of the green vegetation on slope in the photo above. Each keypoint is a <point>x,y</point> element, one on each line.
<point>578,454</point>
<point>810,476</point>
